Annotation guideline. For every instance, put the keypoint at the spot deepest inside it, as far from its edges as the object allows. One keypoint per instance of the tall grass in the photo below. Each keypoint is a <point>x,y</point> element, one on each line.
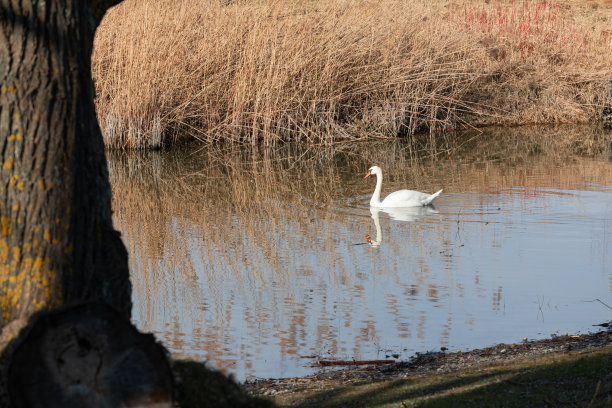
<point>323,71</point>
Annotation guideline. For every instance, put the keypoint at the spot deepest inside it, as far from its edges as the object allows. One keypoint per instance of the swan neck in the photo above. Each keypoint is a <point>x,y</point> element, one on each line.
<point>375,200</point>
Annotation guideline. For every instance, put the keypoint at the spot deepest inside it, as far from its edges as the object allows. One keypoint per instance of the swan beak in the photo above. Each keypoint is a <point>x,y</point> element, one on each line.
<point>367,174</point>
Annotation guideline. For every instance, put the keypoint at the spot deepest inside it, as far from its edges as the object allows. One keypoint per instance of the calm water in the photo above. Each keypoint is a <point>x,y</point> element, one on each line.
<point>256,261</point>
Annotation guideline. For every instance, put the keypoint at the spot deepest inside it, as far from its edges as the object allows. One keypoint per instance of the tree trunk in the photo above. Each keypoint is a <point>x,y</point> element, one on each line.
<point>57,242</point>
<point>87,355</point>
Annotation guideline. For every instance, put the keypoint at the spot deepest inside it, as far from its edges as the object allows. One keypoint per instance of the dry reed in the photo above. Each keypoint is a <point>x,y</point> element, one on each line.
<point>319,72</point>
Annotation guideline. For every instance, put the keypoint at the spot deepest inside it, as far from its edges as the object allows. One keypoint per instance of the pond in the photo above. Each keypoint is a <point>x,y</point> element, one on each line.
<point>256,259</point>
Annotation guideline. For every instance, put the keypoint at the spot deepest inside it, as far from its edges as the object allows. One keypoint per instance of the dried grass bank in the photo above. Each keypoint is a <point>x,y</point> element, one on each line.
<point>324,71</point>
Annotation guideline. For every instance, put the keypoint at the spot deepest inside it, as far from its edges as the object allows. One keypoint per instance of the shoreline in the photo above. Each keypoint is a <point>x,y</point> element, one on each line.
<point>423,366</point>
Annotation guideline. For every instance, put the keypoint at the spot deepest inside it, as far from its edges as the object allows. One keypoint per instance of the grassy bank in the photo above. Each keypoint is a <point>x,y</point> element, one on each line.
<point>566,371</point>
<point>323,71</point>
<point>570,380</point>
<point>545,378</point>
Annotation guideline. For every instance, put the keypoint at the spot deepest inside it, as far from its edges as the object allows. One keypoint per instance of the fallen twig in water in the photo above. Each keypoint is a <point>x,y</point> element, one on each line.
<point>353,362</point>
<point>598,300</point>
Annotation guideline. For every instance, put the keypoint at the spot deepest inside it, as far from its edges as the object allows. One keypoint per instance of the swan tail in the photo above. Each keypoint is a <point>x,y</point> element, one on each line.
<point>430,199</point>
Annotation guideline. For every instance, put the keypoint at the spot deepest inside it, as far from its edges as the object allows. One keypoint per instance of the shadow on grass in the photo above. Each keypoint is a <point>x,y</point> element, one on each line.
<point>564,381</point>
<point>389,392</point>
<point>199,386</point>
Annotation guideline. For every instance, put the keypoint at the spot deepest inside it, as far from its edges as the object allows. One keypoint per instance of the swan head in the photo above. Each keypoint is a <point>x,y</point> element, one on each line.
<point>373,170</point>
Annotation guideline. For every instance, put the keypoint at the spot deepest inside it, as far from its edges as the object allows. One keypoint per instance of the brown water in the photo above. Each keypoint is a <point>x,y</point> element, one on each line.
<point>255,260</point>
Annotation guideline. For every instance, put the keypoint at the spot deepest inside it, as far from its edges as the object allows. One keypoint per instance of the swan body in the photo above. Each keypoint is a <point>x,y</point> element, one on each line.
<point>400,198</point>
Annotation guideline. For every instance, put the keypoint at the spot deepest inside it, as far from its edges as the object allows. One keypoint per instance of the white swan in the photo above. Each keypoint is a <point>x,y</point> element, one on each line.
<point>400,198</point>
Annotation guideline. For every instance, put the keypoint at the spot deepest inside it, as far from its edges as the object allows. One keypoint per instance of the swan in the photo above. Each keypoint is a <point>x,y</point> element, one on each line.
<point>400,198</point>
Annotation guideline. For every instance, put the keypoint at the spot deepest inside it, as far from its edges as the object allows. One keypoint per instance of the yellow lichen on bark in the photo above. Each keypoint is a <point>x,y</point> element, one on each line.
<point>16,254</point>
<point>11,89</point>
<point>12,293</point>
<point>27,282</point>
<point>4,250</point>
<point>5,225</point>
<point>8,164</point>
<point>12,282</point>
<point>45,186</point>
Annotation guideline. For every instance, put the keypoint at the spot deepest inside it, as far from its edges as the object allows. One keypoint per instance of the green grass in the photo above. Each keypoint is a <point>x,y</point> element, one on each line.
<point>558,381</point>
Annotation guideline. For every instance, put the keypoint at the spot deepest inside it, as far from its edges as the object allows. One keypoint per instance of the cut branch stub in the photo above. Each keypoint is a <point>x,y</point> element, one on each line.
<point>87,355</point>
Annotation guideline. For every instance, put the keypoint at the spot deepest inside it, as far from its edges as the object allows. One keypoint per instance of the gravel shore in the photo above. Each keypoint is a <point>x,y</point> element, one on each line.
<point>423,364</point>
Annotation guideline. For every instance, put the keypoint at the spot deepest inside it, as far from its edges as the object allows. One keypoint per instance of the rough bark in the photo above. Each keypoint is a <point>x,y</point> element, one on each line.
<point>87,355</point>
<point>57,242</point>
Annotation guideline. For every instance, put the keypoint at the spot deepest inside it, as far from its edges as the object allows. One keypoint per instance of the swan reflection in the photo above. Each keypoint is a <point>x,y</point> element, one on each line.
<point>407,214</point>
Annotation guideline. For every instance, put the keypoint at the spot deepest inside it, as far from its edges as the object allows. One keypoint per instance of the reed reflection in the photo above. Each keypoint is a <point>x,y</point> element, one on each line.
<point>244,257</point>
